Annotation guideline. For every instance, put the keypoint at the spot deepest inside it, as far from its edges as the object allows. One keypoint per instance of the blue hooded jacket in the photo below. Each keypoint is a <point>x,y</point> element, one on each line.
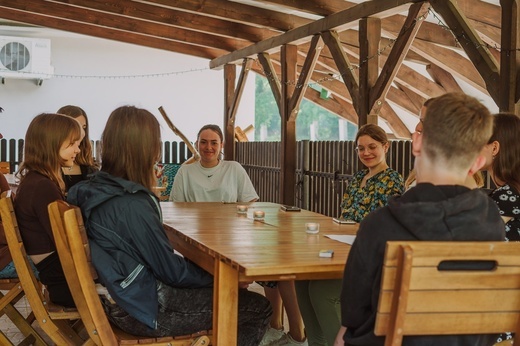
<point>129,247</point>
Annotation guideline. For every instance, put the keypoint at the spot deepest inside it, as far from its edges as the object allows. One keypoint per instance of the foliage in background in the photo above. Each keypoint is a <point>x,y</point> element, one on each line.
<point>266,113</point>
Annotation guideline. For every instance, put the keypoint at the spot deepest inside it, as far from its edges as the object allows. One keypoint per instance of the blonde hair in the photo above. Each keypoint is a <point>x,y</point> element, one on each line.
<point>456,128</point>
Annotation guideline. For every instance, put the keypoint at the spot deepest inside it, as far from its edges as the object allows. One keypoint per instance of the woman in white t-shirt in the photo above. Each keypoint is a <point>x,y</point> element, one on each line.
<point>212,179</point>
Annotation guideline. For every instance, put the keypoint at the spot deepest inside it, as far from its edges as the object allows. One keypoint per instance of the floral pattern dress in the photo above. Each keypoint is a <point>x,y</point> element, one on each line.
<point>359,201</point>
<point>508,202</point>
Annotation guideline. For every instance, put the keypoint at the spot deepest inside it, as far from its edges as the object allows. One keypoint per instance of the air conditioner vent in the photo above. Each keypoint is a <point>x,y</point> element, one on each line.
<point>24,57</point>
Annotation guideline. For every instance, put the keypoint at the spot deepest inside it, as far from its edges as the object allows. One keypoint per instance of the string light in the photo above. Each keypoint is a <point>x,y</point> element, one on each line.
<point>105,77</point>
<point>353,67</point>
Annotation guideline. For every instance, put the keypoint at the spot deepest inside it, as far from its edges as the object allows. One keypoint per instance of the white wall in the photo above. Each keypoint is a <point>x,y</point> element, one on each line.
<point>100,75</point>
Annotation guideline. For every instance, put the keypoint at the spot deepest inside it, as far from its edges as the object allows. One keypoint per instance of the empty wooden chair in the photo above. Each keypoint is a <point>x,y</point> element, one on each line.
<point>449,288</point>
<point>60,324</point>
<point>72,244</point>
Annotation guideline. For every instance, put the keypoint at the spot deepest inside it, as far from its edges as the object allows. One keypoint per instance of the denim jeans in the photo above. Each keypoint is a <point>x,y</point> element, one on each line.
<point>9,271</point>
<point>184,311</point>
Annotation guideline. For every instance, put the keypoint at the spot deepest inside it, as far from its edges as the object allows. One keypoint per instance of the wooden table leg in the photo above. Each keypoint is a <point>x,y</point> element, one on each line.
<point>225,305</point>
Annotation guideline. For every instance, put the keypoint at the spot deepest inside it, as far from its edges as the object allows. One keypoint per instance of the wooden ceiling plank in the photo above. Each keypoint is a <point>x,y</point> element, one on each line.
<point>473,45</point>
<point>399,98</point>
<point>344,110</point>
<point>428,31</point>
<point>481,11</point>
<point>343,64</point>
<point>416,16</point>
<point>237,12</point>
<point>272,77</point>
<point>305,75</point>
<point>116,21</point>
<point>394,122</point>
<point>177,18</point>
<point>444,78</point>
<point>108,33</point>
<point>452,62</point>
<point>415,98</point>
<point>509,56</point>
<point>317,7</point>
<point>343,19</point>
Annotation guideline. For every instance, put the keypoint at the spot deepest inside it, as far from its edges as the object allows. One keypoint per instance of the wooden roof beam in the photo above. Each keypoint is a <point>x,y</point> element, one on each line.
<point>472,44</point>
<point>509,56</point>
<point>444,78</point>
<point>109,33</point>
<point>177,18</point>
<point>340,20</point>
<point>239,13</point>
<point>378,92</point>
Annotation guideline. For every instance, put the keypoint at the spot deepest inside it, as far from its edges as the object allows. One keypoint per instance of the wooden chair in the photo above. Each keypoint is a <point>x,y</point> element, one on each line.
<point>434,288</point>
<point>7,306</point>
<point>72,244</point>
<point>60,324</point>
<point>5,167</point>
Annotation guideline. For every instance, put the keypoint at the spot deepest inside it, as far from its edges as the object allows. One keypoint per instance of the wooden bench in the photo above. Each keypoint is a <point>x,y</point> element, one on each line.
<point>61,325</point>
<point>428,288</point>
<point>73,249</point>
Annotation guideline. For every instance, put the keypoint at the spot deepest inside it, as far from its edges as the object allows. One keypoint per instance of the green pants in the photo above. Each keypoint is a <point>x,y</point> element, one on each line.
<point>320,308</point>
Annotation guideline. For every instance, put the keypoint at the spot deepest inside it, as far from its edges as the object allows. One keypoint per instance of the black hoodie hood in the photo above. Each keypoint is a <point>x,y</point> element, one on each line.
<point>441,212</point>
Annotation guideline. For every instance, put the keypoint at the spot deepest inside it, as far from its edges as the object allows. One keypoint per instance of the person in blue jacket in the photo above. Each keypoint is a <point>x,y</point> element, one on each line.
<point>156,292</point>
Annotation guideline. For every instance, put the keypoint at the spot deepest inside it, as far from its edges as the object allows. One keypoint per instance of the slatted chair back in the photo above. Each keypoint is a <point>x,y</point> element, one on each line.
<point>7,306</point>
<point>449,288</point>
<point>54,320</point>
<point>75,245</point>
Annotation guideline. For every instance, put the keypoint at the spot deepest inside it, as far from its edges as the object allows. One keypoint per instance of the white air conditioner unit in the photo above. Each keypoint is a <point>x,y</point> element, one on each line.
<point>25,57</point>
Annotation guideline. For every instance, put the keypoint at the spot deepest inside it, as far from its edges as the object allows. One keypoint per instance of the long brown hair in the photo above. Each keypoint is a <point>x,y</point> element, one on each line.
<point>45,135</point>
<point>85,157</point>
<point>506,164</point>
<point>131,144</point>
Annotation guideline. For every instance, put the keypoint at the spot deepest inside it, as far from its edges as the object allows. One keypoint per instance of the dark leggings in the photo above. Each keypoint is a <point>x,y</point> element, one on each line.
<point>184,311</point>
<point>52,276</point>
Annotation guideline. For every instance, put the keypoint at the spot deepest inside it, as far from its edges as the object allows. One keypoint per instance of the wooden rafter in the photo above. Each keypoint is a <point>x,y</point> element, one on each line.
<point>407,34</point>
<point>477,52</point>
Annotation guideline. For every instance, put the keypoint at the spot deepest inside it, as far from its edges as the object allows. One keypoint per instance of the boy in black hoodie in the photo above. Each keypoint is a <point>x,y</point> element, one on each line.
<point>440,207</point>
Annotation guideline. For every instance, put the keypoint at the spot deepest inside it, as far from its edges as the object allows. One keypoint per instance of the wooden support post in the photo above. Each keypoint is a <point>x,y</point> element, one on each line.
<point>509,56</point>
<point>369,38</point>
<point>229,95</point>
<point>289,56</point>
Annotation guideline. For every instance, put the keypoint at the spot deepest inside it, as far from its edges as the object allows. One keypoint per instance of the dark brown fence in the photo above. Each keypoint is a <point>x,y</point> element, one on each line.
<point>323,170</point>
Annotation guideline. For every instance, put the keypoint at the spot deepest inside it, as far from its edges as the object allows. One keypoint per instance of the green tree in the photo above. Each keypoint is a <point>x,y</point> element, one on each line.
<point>267,114</point>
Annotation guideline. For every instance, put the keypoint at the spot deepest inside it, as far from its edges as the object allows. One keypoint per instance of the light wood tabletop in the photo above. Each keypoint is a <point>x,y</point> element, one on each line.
<point>236,248</point>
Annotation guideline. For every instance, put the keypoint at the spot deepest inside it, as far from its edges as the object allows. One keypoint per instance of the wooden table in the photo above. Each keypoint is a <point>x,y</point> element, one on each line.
<point>235,248</point>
